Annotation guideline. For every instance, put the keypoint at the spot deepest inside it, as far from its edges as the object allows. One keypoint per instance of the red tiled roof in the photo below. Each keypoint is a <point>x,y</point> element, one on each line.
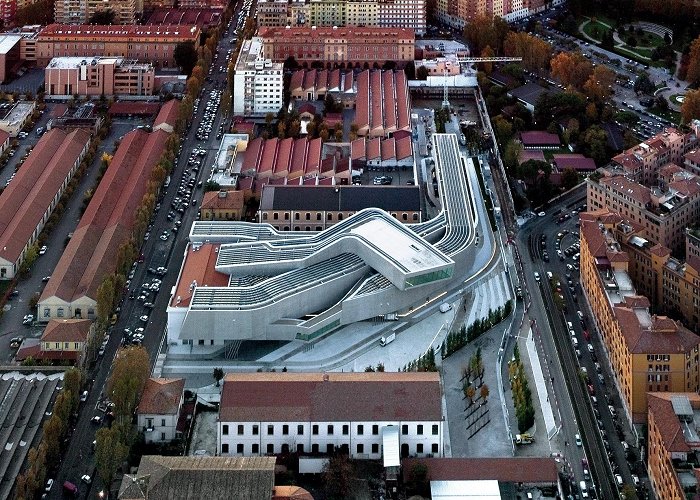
<point>388,148</point>
<point>199,17</point>
<point>199,266</point>
<point>357,149</point>
<point>297,80</point>
<point>693,156</point>
<point>25,201</point>
<point>290,493</point>
<point>374,148</point>
<point>528,470</point>
<point>626,187</point>
<point>307,107</point>
<point>659,250</point>
<point>331,397</point>
<point>215,200</point>
<point>4,137</point>
<point>539,138</point>
<point>118,31</point>
<point>382,102</point>
<point>134,108</point>
<point>66,330</point>
<point>667,422</point>
<point>663,335</point>
<point>576,161</point>
<point>531,154</point>
<point>108,219</point>
<point>404,147</point>
<point>168,114</point>
<point>161,396</point>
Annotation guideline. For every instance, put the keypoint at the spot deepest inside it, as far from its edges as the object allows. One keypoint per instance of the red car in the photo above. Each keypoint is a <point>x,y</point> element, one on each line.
<point>586,335</point>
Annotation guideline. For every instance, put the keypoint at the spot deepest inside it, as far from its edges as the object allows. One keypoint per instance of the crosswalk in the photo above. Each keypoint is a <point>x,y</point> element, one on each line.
<point>491,293</point>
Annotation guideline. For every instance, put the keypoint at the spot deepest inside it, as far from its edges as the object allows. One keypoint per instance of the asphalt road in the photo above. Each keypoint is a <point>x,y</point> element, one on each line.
<point>590,415</point>
<point>78,459</point>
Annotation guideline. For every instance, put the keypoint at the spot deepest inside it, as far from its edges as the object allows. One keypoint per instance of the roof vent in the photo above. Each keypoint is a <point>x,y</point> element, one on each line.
<point>325,377</point>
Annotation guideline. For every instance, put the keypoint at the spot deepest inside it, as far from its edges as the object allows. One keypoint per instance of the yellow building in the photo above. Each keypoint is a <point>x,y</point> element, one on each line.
<point>647,352</point>
<point>63,340</point>
<point>672,442</point>
<point>222,205</point>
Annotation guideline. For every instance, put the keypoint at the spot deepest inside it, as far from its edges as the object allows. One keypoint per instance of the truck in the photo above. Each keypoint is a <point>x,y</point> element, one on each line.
<point>524,438</point>
<point>387,339</point>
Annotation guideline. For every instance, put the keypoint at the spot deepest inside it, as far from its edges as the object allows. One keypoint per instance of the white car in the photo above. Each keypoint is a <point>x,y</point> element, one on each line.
<point>43,250</point>
<point>84,396</point>
<point>49,484</point>
<point>86,479</point>
<point>635,479</point>
<point>144,318</point>
<point>579,443</point>
<point>27,320</point>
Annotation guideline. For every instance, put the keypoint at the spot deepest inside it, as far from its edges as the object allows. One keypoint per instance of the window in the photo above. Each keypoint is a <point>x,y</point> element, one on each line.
<point>419,448</point>
<point>330,449</point>
<point>255,448</point>
<point>330,216</point>
<point>285,430</point>
<point>224,430</point>
<point>435,429</point>
<point>419,429</point>
<point>300,430</point>
<point>239,448</point>
<point>360,430</point>
<point>270,448</point>
<point>330,430</point>
<point>300,448</point>
<point>314,448</point>
<point>318,216</point>
<point>404,429</point>
<point>47,311</point>
<point>435,448</point>
<point>360,448</point>
<point>375,429</point>
<point>314,430</point>
<point>375,448</point>
<point>255,430</point>
<point>240,430</point>
<point>224,448</point>
<point>59,313</point>
<point>270,430</point>
<point>162,422</point>
<point>346,430</point>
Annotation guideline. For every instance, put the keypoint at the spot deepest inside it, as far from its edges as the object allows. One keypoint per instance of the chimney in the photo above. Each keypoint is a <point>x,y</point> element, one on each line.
<point>325,377</point>
<point>223,193</point>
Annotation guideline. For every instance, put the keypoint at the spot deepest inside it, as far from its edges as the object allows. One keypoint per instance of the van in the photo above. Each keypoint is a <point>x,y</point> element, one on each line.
<point>584,489</point>
<point>445,306</point>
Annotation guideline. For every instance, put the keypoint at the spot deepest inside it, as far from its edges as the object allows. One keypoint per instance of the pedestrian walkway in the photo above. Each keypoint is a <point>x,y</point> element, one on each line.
<point>541,385</point>
<point>488,295</point>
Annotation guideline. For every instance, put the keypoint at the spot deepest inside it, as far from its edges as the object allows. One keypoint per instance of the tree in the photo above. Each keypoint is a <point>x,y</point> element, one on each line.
<point>110,453</point>
<point>410,70</point>
<point>503,130</point>
<point>690,109</point>
<point>693,71</point>
<point>486,30</point>
<point>470,393</point>
<point>569,178</point>
<point>185,56</point>
<point>337,476</point>
<point>487,66</point>
<point>105,298</point>
<point>422,73</point>
<point>629,492</point>
<point>418,480</point>
<point>536,53</point>
<point>571,68</point>
<point>130,371</point>
<point>511,156</point>
<point>380,367</point>
<point>484,392</point>
<point>643,84</point>
<point>599,85</point>
<point>218,375</point>
<point>72,381</point>
<point>102,17</point>
<point>594,142</point>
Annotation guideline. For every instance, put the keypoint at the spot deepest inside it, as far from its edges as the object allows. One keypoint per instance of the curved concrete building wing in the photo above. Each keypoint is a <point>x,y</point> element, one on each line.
<point>248,281</point>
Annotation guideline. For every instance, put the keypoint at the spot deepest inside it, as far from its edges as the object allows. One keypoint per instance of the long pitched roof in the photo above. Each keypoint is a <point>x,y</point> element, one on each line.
<point>304,397</point>
<point>27,198</point>
<point>66,330</point>
<point>108,219</point>
<point>527,470</point>
<point>189,478</point>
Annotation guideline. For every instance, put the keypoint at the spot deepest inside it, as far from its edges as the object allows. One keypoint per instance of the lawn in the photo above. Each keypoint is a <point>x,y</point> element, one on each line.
<point>670,115</point>
<point>595,30</point>
<point>633,51</point>
<point>674,99</point>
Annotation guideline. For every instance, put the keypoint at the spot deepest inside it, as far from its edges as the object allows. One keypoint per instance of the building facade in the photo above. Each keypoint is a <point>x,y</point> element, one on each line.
<point>370,13</point>
<point>222,205</point>
<point>646,352</point>
<point>80,11</point>
<point>663,213</point>
<point>153,43</point>
<point>334,45</point>
<point>274,413</point>
<point>159,409</point>
<point>257,82</point>
<point>100,76</point>
<point>672,442</point>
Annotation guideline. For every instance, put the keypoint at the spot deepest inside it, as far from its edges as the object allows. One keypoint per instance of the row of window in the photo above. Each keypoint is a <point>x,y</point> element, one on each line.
<point>329,216</point>
<point>315,448</point>
<point>330,429</point>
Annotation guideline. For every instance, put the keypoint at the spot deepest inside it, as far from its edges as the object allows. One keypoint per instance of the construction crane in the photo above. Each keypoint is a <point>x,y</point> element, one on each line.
<point>465,64</point>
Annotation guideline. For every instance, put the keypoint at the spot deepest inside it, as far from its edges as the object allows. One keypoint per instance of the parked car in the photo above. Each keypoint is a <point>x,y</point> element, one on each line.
<point>43,250</point>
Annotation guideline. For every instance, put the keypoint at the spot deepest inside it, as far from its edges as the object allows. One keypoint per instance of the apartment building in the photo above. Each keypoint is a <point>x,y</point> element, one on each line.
<point>647,352</point>
<point>663,213</point>
<point>673,444</point>
<point>153,43</point>
<point>80,11</point>
<point>99,76</point>
<point>257,82</point>
<point>367,415</point>
<point>347,45</point>
<point>641,163</point>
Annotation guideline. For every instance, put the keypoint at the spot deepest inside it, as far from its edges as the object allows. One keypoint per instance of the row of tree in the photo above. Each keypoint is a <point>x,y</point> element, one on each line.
<point>522,396</point>
<point>47,453</point>
<point>424,363</point>
<point>457,339</point>
<point>125,385</point>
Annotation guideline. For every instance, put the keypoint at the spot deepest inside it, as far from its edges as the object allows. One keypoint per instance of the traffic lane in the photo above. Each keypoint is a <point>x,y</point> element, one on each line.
<point>23,144</point>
